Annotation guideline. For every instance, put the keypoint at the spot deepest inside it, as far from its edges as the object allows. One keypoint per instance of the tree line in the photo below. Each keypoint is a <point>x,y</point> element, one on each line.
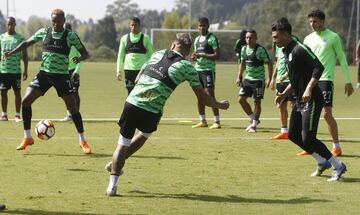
<point>102,37</point>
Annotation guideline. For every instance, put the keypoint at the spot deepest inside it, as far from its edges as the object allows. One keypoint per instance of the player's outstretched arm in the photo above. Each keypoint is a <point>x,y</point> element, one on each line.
<point>204,98</point>
<point>20,47</point>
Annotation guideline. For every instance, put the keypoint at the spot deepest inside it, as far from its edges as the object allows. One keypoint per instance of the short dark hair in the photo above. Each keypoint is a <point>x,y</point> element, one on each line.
<point>252,31</point>
<point>282,25</point>
<point>68,25</point>
<point>242,34</point>
<point>204,19</point>
<point>317,13</point>
<point>184,40</point>
<point>135,19</point>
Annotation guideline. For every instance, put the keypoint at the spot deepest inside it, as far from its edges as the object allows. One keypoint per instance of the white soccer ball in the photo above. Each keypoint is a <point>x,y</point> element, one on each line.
<point>45,129</point>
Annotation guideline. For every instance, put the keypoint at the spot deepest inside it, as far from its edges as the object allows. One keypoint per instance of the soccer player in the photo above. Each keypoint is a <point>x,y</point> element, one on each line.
<point>144,106</point>
<point>134,50</point>
<point>239,44</point>
<point>207,50</point>
<point>304,70</point>
<point>253,58</point>
<point>10,69</point>
<point>57,42</point>
<point>74,72</point>
<point>327,46</point>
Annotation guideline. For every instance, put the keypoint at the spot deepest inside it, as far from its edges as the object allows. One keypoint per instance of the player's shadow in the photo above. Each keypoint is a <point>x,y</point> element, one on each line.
<point>43,212</point>
<point>224,199</point>
<point>98,155</point>
<point>159,157</point>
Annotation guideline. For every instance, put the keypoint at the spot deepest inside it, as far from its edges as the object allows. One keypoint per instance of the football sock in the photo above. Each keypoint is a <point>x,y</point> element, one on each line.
<point>82,137</point>
<point>68,113</point>
<point>318,158</point>
<point>254,122</point>
<point>284,130</point>
<point>217,119</point>
<point>17,114</point>
<point>252,116</point>
<point>113,180</point>
<point>335,162</point>
<point>336,145</point>
<point>26,115</point>
<point>27,133</point>
<point>77,119</point>
<point>202,117</point>
<point>3,113</point>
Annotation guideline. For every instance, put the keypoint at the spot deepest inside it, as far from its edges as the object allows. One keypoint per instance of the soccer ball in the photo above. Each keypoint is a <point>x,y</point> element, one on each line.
<point>45,129</point>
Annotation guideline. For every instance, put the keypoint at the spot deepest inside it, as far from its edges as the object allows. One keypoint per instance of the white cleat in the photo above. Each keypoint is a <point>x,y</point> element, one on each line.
<point>67,118</point>
<point>321,168</point>
<point>111,191</point>
<point>337,173</point>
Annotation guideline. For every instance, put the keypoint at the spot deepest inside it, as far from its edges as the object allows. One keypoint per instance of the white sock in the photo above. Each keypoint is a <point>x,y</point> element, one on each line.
<point>17,114</point>
<point>68,113</point>
<point>202,117</point>
<point>336,145</point>
<point>318,158</point>
<point>3,113</point>
<point>254,122</point>
<point>27,133</point>
<point>335,162</point>
<point>113,180</point>
<point>81,136</point>
<point>217,118</point>
<point>252,116</point>
<point>284,130</point>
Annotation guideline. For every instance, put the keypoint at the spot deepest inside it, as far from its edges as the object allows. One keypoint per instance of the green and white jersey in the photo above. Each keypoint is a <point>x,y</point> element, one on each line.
<point>205,64</point>
<point>7,43</point>
<point>327,46</point>
<point>73,66</point>
<point>151,94</point>
<point>54,62</point>
<point>281,67</point>
<point>255,73</point>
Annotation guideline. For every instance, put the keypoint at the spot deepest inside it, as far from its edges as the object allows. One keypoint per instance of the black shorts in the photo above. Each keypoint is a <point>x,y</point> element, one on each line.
<point>254,88</point>
<point>76,81</point>
<point>130,76</point>
<point>207,79</point>
<point>10,80</point>
<point>133,118</point>
<point>62,83</point>
<point>327,90</point>
<point>281,87</point>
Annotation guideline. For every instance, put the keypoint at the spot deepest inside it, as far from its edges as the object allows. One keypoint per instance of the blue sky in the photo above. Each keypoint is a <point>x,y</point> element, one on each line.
<point>82,9</point>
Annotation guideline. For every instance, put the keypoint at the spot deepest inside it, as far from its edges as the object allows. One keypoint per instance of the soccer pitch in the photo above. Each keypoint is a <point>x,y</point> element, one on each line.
<point>179,170</point>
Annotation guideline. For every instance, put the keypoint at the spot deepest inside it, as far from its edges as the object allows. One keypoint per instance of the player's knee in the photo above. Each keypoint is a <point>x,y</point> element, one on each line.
<point>327,115</point>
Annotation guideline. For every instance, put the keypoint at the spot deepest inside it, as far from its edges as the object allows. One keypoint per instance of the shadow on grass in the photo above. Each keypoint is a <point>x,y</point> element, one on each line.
<point>159,157</point>
<point>42,212</point>
<point>98,155</point>
<point>225,199</point>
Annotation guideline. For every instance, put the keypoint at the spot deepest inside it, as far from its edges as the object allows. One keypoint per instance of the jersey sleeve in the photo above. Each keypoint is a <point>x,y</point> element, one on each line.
<point>148,46</point>
<point>214,42</point>
<point>74,40</point>
<point>121,54</point>
<point>192,76</point>
<point>342,58</point>
<point>242,53</point>
<point>262,54</point>
<point>39,35</point>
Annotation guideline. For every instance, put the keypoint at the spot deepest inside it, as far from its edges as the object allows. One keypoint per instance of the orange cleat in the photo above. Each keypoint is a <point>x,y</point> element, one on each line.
<point>25,142</point>
<point>280,136</point>
<point>303,153</point>
<point>85,147</point>
<point>216,125</point>
<point>201,124</point>
<point>336,152</point>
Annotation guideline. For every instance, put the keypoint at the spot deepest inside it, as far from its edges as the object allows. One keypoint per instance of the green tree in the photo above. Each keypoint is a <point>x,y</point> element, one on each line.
<point>2,23</point>
<point>121,10</point>
<point>105,33</point>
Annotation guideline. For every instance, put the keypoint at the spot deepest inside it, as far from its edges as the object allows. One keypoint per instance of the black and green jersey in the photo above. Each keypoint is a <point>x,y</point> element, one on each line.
<point>56,62</point>
<point>151,93</point>
<point>7,43</point>
<point>206,43</point>
<point>254,59</point>
<point>73,66</point>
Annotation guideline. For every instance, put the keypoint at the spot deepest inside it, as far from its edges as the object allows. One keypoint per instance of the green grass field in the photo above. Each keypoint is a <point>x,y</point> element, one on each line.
<point>180,170</point>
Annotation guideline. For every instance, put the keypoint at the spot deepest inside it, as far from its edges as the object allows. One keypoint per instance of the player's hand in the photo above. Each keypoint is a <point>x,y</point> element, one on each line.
<point>194,56</point>
<point>283,78</point>
<point>25,75</point>
<point>238,82</point>
<point>75,60</point>
<point>7,55</point>
<point>306,96</point>
<point>272,85</point>
<point>349,89</point>
<point>279,99</point>
<point>118,76</point>
<point>224,105</point>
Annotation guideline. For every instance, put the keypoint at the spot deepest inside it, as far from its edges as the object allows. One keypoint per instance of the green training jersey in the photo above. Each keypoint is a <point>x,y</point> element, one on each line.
<point>281,67</point>
<point>74,66</point>
<point>255,73</point>
<point>54,62</point>
<point>7,43</point>
<point>133,61</point>
<point>151,94</point>
<point>205,64</point>
<point>327,46</point>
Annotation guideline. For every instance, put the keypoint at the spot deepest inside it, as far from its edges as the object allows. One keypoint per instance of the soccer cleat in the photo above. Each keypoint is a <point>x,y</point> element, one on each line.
<point>17,118</point>
<point>358,86</point>
<point>321,168</point>
<point>280,136</point>
<point>67,118</point>
<point>108,167</point>
<point>85,147</point>
<point>4,117</point>
<point>336,152</point>
<point>251,129</point>
<point>216,125</point>
<point>337,173</point>
<point>111,191</point>
<point>201,124</point>
<point>27,141</point>
<point>303,153</point>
